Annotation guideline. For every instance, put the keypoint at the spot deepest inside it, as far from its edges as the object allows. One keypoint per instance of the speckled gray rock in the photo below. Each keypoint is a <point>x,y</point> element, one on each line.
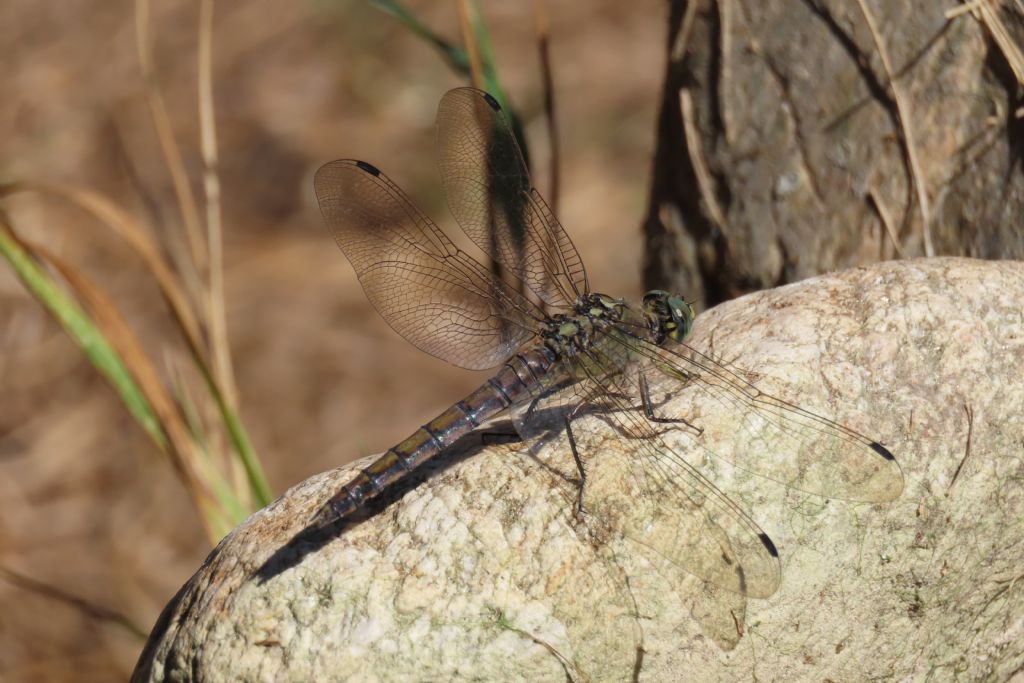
<point>480,572</point>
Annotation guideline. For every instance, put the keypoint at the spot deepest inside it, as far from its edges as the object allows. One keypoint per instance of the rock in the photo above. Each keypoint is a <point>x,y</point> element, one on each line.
<point>481,571</point>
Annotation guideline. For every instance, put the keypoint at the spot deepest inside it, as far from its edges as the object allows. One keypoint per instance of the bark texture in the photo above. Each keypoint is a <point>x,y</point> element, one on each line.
<point>788,146</point>
<point>480,572</point>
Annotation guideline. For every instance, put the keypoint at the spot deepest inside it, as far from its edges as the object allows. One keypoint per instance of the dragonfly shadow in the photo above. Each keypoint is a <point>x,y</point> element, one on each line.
<point>313,538</point>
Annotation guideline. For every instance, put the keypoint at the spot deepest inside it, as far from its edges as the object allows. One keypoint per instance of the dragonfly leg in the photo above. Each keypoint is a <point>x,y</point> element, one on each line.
<point>576,457</point>
<point>645,397</point>
<point>550,391</point>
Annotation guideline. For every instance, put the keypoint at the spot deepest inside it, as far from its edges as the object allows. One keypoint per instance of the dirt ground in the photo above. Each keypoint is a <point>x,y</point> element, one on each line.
<point>87,504</point>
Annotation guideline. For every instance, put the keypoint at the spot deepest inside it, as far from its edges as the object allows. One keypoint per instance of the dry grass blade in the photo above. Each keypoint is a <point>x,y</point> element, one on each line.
<point>219,507</point>
<point>469,41</point>
<point>682,40</point>
<point>128,229</point>
<point>987,13</point>
<point>168,143</point>
<point>77,324</point>
<point>123,225</point>
<point>906,118</point>
<point>211,185</point>
<point>886,218</point>
<point>106,340</point>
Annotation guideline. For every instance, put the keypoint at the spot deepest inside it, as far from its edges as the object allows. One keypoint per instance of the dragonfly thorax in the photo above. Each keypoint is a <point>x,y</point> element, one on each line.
<point>668,315</point>
<point>569,334</point>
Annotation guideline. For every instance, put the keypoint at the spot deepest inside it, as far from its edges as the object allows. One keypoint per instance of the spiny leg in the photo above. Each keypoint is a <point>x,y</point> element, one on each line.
<point>576,456</point>
<point>648,405</point>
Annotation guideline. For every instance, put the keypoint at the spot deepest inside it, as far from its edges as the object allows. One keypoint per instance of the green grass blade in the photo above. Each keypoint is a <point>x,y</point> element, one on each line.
<point>82,330</point>
<point>239,439</point>
<point>488,59</point>
<point>456,56</point>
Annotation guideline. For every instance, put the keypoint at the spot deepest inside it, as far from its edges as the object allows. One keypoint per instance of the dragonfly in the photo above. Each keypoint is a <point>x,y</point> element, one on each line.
<point>592,383</point>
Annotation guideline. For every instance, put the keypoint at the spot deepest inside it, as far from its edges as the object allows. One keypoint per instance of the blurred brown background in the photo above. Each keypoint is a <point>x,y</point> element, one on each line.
<point>87,504</point>
<point>790,156</point>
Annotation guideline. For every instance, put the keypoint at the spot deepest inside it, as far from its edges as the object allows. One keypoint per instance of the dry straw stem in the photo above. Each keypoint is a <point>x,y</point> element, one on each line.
<point>219,506</point>
<point>725,13</point>
<point>705,183</point>
<point>193,466</point>
<point>985,12</point>
<point>886,218</point>
<point>682,41</point>
<point>168,143</point>
<point>906,117</point>
<point>127,228</point>
<point>108,342</point>
<point>214,232</point>
<point>469,40</point>
<point>79,326</point>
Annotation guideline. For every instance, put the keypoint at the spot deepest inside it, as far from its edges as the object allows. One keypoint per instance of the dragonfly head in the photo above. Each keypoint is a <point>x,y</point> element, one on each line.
<point>669,315</point>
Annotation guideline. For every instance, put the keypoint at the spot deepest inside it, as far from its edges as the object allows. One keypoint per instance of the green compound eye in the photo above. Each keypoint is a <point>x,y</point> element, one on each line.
<point>682,317</point>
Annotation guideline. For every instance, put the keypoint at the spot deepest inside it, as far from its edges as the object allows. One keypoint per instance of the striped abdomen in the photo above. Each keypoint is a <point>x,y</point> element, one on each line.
<point>522,375</point>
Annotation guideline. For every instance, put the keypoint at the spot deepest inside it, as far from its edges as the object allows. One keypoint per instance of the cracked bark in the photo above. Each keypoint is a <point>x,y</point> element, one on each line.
<point>800,129</point>
<point>478,572</point>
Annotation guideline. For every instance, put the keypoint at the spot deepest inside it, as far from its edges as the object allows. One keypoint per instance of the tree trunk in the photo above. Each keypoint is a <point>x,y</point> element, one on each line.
<point>802,136</point>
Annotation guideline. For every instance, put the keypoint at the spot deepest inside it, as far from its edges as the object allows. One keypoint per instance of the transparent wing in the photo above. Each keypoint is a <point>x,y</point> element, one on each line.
<point>429,291</point>
<point>636,485</point>
<point>759,432</point>
<point>490,194</point>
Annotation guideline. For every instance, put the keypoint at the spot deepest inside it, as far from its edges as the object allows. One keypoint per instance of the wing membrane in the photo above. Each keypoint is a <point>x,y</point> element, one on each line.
<point>490,194</point>
<point>637,486</point>
<point>761,433</point>
<point>429,291</point>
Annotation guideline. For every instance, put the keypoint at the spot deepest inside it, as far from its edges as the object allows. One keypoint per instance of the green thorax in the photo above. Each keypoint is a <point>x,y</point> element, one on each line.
<point>664,316</point>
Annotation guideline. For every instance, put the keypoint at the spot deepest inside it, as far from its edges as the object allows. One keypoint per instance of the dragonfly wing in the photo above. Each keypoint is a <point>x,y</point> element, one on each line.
<point>761,433</point>
<point>430,292</point>
<point>637,486</point>
<point>490,194</point>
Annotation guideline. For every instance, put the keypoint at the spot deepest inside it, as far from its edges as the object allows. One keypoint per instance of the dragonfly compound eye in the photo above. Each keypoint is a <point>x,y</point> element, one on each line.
<point>682,317</point>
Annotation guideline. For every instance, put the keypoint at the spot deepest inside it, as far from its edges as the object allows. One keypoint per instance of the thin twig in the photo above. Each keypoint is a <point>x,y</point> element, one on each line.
<point>695,151</point>
<point>476,69</point>
<point>904,113</point>
<point>886,219</point>
<point>88,608</point>
<point>543,45</point>
<point>211,185</point>
<point>967,446</point>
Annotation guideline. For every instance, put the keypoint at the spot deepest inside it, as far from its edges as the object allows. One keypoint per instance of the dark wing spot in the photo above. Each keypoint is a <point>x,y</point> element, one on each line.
<point>769,545</point>
<point>882,451</point>
<point>491,101</point>
<point>369,168</point>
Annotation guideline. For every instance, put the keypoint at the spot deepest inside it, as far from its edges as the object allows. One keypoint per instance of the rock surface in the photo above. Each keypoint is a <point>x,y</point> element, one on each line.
<point>479,571</point>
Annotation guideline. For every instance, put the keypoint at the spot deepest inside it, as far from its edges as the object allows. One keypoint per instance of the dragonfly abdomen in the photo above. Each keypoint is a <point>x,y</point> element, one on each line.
<point>521,375</point>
